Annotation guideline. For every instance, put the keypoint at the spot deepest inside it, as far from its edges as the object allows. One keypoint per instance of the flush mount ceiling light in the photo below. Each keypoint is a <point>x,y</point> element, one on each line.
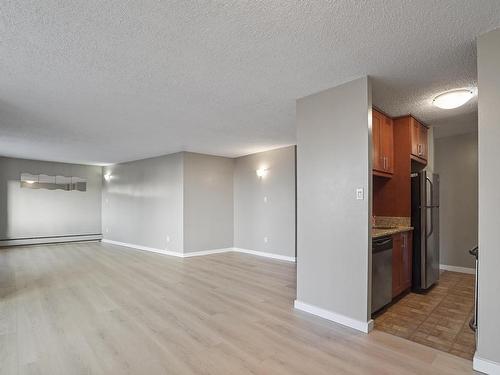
<point>453,99</point>
<point>107,176</point>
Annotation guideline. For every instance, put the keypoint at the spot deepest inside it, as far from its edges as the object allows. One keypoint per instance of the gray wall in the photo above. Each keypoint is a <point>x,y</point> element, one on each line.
<point>265,207</point>
<point>456,162</point>
<point>143,203</point>
<point>208,202</point>
<point>333,148</point>
<point>40,212</point>
<point>489,196</point>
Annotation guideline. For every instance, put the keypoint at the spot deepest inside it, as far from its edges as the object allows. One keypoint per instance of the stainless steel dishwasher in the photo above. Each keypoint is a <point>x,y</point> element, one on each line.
<point>381,272</point>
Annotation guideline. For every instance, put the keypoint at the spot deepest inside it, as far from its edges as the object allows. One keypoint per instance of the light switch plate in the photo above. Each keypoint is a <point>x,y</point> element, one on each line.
<point>360,194</point>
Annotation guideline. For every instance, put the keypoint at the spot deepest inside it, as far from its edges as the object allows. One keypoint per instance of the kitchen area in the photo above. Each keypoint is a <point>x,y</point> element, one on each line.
<point>411,296</point>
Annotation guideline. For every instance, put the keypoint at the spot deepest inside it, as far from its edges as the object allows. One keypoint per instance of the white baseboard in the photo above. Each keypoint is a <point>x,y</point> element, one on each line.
<point>206,252</point>
<point>200,253</point>
<point>263,254</point>
<point>457,269</point>
<point>359,325</point>
<point>485,365</point>
<point>145,248</point>
<point>49,240</point>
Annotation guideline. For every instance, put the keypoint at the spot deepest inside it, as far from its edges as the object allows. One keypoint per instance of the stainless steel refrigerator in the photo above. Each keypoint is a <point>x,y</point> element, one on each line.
<point>425,220</point>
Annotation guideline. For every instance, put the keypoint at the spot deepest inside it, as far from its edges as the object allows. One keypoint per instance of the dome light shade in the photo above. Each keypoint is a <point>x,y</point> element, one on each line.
<point>453,99</point>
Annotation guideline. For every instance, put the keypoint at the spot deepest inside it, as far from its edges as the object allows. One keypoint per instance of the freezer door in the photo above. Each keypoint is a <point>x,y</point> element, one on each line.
<point>430,229</point>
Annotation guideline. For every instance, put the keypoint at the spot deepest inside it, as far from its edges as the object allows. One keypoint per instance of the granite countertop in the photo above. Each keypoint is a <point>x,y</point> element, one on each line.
<point>381,232</point>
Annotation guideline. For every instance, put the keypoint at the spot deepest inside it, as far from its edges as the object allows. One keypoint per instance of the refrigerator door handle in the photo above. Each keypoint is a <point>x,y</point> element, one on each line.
<point>431,192</point>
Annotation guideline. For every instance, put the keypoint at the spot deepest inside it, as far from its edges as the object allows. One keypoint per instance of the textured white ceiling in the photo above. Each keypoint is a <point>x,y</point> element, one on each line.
<point>455,125</point>
<point>107,81</point>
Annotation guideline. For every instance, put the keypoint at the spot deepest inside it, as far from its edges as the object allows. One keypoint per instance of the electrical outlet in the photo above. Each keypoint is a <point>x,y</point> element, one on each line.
<point>265,239</point>
<point>168,239</point>
<point>265,199</point>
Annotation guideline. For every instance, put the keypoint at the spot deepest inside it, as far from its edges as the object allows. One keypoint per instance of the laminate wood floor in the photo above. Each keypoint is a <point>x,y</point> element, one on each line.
<point>92,308</point>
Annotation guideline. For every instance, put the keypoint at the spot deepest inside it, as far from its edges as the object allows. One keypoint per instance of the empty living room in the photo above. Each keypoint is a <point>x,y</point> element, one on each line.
<point>249,187</point>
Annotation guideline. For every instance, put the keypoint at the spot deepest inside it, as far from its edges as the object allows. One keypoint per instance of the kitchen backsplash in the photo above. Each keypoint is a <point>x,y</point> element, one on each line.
<point>391,221</point>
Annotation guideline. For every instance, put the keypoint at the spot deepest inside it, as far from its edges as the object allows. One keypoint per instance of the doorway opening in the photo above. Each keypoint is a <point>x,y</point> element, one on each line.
<point>424,225</point>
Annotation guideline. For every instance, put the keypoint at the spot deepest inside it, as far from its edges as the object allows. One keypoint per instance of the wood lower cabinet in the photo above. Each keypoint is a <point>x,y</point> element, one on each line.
<point>397,264</point>
<point>401,263</point>
<point>407,261</point>
<point>383,144</point>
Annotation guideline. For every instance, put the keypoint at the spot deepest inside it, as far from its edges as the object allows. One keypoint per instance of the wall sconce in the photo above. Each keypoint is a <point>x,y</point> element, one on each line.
<point>262,172</point>
<point>107,177</point>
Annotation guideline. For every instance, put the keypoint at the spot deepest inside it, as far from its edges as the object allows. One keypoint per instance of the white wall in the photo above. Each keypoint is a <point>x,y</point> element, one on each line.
<point>143,203</point>
<point>185,203</point>
<point>457,165</point>
<point>264,208</point>
<point>334,239</point>
<point>43,213</point>
<point>208,202</point>
<point>488,347</point>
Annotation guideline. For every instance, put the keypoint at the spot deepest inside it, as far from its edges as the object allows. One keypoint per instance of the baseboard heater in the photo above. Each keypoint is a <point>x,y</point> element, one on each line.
<point>49,239</point>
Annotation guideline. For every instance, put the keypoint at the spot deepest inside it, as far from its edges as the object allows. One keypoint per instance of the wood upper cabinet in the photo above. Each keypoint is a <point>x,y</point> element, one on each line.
<point>383,144</point>
<point>424,143</point>
<point>402,258</point>
<point>387,144</point>
<point>376,129</point>
<point>415,136</point>
<point>419,141</point>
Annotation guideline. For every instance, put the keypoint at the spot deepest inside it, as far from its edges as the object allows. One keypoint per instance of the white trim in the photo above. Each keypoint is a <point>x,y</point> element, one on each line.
<point>457,269</point>
<point>49,240</point>
<point>145,248</point>
<point>206,252</point>
<point>201,253</point>
<point>485,365</point>
<point>359,325</point>
<point>263,254</point>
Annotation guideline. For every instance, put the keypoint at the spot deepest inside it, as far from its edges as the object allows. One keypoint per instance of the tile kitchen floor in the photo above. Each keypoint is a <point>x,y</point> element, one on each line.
<point>438,318</point>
